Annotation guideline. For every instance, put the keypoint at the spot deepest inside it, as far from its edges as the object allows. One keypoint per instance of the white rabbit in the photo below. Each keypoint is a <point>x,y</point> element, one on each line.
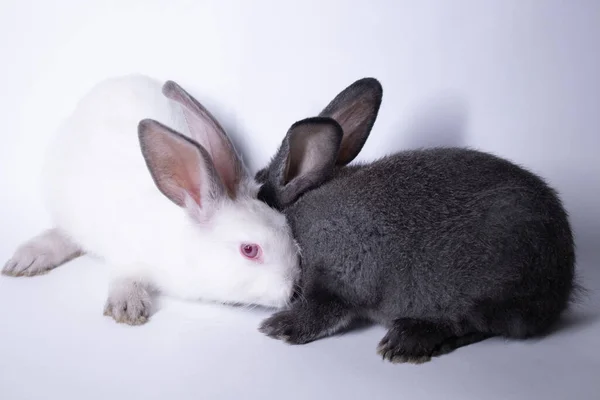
<point>168,211</point>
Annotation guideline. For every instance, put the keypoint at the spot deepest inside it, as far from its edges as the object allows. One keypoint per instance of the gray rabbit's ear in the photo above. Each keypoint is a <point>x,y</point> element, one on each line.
<point>305,159</point>
<point>206,130</point>
<point>355,109</point>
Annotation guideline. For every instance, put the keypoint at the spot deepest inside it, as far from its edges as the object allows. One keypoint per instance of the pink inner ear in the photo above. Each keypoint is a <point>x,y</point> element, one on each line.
<point>207,131</point>
<point>181,170</point>
<point>203,130</point>
<point>176,164</point>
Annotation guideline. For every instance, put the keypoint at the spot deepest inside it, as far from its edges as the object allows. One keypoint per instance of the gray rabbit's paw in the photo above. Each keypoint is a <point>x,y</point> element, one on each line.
<point>413,341</point>
<point>392,348</point>
<point>288,326</point>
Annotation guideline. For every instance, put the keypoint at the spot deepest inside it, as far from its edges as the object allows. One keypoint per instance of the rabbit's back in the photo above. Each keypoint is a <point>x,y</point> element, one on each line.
<point>435,233</point>
<point>98,186</point>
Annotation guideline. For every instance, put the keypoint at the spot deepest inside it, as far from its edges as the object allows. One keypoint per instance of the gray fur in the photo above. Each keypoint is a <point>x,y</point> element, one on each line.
<point>445,246</point>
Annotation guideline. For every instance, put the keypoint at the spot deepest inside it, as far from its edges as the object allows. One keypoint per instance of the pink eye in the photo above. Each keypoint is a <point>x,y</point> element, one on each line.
<point>251,251</point>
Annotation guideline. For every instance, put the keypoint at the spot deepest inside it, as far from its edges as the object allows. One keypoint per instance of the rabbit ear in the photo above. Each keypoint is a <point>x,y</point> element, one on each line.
<point>181,169</point>
<point>207,131</point>
<point>305,159</point>
<point>355,109</point>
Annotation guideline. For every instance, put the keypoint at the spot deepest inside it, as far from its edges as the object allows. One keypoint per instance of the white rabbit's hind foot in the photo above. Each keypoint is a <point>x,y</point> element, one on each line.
<point>42,253</point>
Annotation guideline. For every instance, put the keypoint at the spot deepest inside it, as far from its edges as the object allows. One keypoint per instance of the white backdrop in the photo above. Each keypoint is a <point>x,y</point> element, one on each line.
<point>519,78</point>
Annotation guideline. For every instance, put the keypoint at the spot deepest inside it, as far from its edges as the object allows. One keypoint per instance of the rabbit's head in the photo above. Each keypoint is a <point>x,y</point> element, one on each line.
<point>244,249</point>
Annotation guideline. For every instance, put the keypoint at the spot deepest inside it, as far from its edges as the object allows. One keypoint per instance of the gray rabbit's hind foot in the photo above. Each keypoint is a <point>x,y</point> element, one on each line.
<point>417,341</point>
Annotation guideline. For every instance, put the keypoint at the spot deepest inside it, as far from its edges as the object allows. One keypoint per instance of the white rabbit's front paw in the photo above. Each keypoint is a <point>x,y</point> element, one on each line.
<point>129,302</point>
<point>41,254</point>
<point>27,261</point>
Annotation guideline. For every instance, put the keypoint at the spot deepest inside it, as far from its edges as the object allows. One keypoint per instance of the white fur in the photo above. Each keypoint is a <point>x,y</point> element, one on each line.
<point>101,194</point>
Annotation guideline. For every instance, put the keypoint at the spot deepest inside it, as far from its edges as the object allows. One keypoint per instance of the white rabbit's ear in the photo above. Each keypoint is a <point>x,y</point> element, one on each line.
<point>181,169</point>
<point>355,109</point>
<point>207,131</point>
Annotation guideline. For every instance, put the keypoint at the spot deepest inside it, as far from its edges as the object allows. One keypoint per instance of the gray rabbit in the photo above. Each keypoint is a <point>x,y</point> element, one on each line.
<point>445,246</point>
